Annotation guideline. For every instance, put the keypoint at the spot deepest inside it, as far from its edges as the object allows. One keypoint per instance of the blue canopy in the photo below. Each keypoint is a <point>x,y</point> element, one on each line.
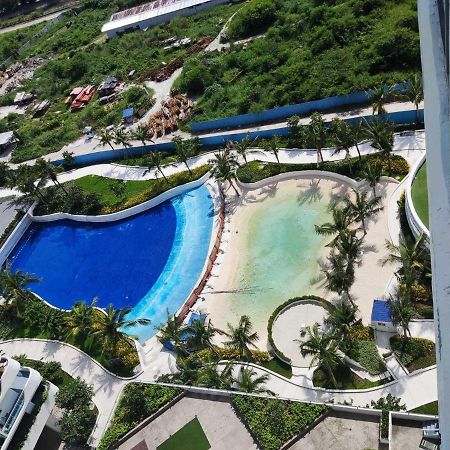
<point>126,113</point>
<point>380,311</point>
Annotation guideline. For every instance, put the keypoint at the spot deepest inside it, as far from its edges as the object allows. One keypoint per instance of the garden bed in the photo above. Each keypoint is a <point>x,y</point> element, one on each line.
<point>137,402</point>
<point>274,422</point>
<point>100,194</point>
<point>414,353</point>
<point>255,171</point>
<point>429,408</point>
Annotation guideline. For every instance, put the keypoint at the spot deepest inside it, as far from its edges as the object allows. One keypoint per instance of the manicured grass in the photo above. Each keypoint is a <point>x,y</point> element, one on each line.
<point>414,353</point>
<point>278,366</point>
<point>419,194</point>
<point>345,378</point>
<point>428,408</point>
<point>190,437</point>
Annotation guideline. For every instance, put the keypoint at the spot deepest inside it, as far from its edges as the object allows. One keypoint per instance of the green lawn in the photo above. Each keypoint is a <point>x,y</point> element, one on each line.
<point>277,366</point>
<point>190,437</point>
<point>414,353</point>
<point>428,408</point>
<point>420,194</point>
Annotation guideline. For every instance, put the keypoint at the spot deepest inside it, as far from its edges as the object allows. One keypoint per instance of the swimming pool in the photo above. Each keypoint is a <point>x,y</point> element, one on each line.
<point>150,261</point>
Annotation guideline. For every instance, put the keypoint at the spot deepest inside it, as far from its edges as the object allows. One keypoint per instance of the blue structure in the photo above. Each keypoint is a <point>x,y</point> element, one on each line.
<point>381,318</point>
<point>127,115</point>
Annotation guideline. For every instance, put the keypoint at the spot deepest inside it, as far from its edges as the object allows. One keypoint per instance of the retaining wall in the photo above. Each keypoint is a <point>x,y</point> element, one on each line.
<point>220,140</point>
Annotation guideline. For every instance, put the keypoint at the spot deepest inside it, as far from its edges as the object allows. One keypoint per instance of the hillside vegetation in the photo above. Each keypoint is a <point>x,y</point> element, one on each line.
<point>311,49</point>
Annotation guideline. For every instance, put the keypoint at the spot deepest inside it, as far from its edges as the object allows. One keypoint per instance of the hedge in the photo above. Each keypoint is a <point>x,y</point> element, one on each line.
<point>256,171</point>
<point>384,424</point>
<point>274,422</point>
<point>366,353</point>
<point>137,402</point>
<point>274,315</point>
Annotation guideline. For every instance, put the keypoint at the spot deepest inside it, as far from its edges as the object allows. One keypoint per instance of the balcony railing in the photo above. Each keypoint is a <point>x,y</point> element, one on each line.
<point>14,413</point>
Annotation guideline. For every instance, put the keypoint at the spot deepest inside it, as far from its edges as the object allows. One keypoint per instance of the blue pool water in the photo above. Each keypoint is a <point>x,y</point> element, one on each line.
<point>150,261</point>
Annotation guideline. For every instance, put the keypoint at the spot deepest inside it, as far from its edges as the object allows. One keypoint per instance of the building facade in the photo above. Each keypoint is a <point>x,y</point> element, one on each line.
<point>434,42</point>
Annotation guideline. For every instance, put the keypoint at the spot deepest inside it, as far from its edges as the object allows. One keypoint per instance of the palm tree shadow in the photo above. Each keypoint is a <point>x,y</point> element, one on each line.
<point>312,194</point>
<point>233,203</point>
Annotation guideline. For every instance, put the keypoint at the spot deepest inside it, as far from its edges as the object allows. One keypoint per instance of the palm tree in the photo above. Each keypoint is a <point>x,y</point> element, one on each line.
<point>24,179</point>
<point>348,245</point>
<point>242,147</point>
<point>184,151</point>
<point>340,275</point>
<point>272,146</point>
<point>105,137</point>
<point>341,318</point>
<point>413,259</point>
<point>381,134</point>
<point>323,348</point>
<point>109,327</point>
<point>379,96</point>
<point>155,160</point>
<point>47,170</point>
<point>252,384</point>
<point>141,134</point>
<point>414,93</point>
<point>372,173</point>
<point>171,332</point>
<point>188,370</point>
<point>81,319</point>
<point>318,133</point>
<point>201,332</point>
<point>402,312</point>
<point>363,207</point>
<point>340,223</point>
<point>242,338</point>
<point>224,168</point>
<point>343,139</point>
<point>216,376</point>
<point>298,133</point>
<point>121,137</point>
<point>13,287</point>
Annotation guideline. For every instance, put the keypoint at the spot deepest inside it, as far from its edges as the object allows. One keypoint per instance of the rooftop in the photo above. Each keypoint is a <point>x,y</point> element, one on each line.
<point>380,311</point>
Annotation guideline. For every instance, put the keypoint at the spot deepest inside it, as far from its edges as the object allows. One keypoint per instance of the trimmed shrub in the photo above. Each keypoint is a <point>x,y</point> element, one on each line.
<point>274,422</point>
<point>366,353</point>
<point>384,424</point>
<point>414,353</point>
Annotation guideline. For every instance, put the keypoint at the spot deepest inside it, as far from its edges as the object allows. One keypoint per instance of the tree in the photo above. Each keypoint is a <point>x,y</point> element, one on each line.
<point>379,96</point>
<point>343,139</point>
<point>75,392</point>
<point>323,349</point>
<point>109,327</point>
<point>341,317</point>
<point>118,189</point>
<point>401,309</point>
<point>141,134</point>
<point>81,319</point>
<point>372,173</point>
<point>340,275</point>
<point>216,376</point>
<point>242,147</point>
<point>121,137</point>
<point>201,332</point>
<point>155,160</point>
<point>105,137</point>
<point>13,287</point>
<point>414,93</point>
<point>242,338</point>
<point>388,403</point>
<point>47,170</point>
<point>381,135</point>
<point>340,223</point>
<point>224,169</point>
<point>363,207</point>
<point>69,160</point>
<point>272,146</point>
<point>24,179</point>
<point>249,382</point>
<point>298,134</point>
<point>184,150</point>
<point>348,245</point>
<point>76,425</point>
<point>412,259</point>
<point>318,132</point>
<point>171,332</point>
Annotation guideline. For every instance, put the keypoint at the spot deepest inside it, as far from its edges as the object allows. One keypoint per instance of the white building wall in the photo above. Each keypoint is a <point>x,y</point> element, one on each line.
<point>437,129</point>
